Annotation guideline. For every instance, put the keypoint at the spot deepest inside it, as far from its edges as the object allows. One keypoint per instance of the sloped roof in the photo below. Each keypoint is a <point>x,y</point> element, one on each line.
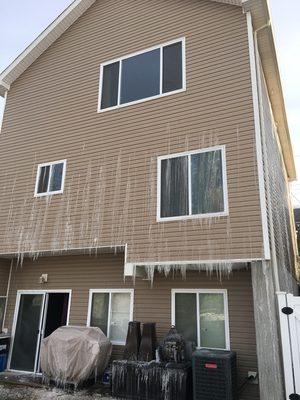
<point>49,36</point>
<point>260,17</point>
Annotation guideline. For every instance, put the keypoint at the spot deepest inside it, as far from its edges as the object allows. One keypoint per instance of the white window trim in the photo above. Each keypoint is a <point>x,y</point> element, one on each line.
<point>48,193</point>
<point>183,89</point>
<point>2,326</point>
<point>193,216</point>
<point>197,292</point>
<point>110,291</point>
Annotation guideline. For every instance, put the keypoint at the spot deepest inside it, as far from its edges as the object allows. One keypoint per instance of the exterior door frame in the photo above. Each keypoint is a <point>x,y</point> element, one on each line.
<point>41,323</point>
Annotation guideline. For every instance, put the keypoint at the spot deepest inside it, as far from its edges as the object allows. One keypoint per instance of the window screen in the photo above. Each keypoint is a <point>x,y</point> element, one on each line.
<point>192,184</point>
<point>110,81</point>
<point>120,306</point>
<point>174,187</point>
<point>56,177</point>
<point>186,315</point>
<point>142,76</point>
<point>212,320</point>
<point>44,179</point>
<point>172,67</point>
<point>99,315</point>
<point>207,182</point>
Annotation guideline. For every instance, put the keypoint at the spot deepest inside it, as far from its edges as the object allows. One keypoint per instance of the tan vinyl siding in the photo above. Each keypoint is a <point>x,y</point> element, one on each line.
<point>4,276</point>
<point>110,187</point>
<point>81,273</point>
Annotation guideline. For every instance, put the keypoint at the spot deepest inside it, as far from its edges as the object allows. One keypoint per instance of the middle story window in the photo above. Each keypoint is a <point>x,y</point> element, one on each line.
<point>192,184</point>
<point>144,75</point>
<point>50,178</point>
<point>111,310</point>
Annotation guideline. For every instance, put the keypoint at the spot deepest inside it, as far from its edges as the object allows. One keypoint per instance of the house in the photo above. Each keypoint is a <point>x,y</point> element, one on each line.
<point>145,159</point>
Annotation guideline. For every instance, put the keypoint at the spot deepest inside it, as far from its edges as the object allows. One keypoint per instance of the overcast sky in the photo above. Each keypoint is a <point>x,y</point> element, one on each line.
<point>23,20</point>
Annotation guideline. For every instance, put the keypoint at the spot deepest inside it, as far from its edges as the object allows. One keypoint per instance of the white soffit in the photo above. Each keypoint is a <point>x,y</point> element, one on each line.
<point>42,42</point>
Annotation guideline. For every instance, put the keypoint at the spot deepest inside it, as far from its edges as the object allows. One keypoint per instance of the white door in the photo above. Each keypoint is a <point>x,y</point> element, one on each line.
<point>289,311</point>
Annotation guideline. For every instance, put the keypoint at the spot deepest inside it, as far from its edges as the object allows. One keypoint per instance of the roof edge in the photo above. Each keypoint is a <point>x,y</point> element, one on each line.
<point>42,42</point>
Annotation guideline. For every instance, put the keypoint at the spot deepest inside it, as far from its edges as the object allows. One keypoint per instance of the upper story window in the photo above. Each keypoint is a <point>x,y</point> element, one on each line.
<point>148,74</point>
<point>50,178</point>
<point>192,184</point>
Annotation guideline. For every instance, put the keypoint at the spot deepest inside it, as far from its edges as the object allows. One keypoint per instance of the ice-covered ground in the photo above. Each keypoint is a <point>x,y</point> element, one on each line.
<point>20,392</point>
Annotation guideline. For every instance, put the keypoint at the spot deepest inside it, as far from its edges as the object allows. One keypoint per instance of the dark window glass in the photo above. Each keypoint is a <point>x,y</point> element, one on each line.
<point>43,179</point>
<point>186,315</point>
<point>99,316</point>
<point>56,177</point>
<point>110,84</point>
<point>172,67</point>
<point>207,182</point>
<point>27,332</point>
<point>140,76</point>
<point>174,187</point>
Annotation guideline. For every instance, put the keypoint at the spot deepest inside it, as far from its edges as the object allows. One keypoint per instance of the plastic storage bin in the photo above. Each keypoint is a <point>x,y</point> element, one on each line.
<point>4,349</point>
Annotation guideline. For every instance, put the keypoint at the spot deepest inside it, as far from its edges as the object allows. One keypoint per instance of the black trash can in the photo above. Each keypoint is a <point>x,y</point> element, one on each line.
<point>4,350</point>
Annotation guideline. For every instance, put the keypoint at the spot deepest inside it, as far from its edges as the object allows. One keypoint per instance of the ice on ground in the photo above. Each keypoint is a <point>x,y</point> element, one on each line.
<point>19,392</point>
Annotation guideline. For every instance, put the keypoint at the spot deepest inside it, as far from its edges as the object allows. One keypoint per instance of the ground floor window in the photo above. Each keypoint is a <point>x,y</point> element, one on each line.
<point>201,316</point>
<point>2,310</point>
<point>111,310</point>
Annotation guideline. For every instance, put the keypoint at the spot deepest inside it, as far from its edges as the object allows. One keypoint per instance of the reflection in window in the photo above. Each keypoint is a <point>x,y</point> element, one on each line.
<point>50,178</point>
<point>192,184</point>
<point>142,76</point>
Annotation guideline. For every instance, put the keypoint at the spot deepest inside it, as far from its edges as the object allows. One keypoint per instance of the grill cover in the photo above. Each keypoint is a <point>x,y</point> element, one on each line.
<point>73,353</point>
